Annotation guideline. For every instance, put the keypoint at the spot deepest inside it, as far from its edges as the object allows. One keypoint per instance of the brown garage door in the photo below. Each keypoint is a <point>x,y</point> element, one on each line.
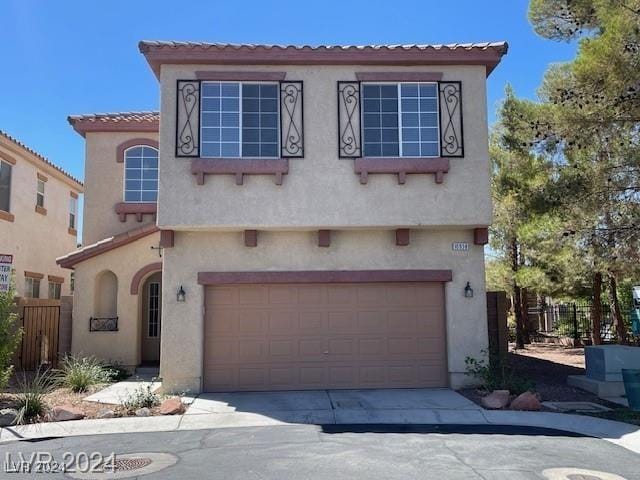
<point>308,336</point>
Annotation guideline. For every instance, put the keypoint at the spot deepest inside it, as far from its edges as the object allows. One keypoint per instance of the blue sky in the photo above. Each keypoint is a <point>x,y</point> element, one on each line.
<point>70,56</point>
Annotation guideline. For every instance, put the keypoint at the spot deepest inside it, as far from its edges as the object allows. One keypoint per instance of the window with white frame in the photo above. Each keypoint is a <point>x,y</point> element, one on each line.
<point>141,174</point>
<point>40,193</point>
<point>31,287</point>
<point>239,120</point>
<point>73,212</point>
<point>5,186</point>
<point>55,290</point>
<point>400,120</point>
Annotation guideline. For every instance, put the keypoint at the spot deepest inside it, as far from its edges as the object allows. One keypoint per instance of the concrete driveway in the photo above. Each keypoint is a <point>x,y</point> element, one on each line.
<point>337,406</point>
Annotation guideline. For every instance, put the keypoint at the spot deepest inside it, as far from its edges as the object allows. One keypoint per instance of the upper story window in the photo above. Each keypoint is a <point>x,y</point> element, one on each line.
<point>400,120</point>
<point>141,174</point>
<point>40,193</point>
<point>55,290</point>
<point>5,186</point>
<point>73,212</point>
<point>239,120</point>
<point>32,287</point>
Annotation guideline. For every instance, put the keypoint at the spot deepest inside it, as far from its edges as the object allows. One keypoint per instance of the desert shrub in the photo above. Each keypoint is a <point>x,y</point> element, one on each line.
<point>143,396</point>
<point>117,372</point>
<point>497,375</point>
<point>10,335</point>
<point>79,373</point>
<point>31,397</point>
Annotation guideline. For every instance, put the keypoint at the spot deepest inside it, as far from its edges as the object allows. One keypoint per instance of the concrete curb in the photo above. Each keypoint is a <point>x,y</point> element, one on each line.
<point>622,434</point>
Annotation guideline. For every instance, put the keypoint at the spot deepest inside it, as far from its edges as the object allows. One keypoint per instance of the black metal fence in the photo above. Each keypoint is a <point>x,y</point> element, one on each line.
<point>573,320</point>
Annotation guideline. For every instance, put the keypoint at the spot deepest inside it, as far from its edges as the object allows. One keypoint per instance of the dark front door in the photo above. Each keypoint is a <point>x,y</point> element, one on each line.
<point>151,319</point>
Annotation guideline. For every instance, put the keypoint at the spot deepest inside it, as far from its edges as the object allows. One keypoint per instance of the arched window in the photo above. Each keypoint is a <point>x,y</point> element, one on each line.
<point>106,295</point>
<point>141,174</point>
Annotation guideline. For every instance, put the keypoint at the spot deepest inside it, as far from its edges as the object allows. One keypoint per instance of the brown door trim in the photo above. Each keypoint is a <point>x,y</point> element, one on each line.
<point>324,276</point>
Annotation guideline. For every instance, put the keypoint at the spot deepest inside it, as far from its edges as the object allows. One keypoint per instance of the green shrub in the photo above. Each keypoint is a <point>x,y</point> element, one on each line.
<point>79,373</point>
<point>30,403</point>
<point>10,335</point>
<point>142,396</point>
<point>500,376</point>
<point>117,373</point>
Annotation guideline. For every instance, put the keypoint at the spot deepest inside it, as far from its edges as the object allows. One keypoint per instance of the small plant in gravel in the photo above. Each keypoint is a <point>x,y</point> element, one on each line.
<point>141,397</point>
<point>79,373</point>
<point>30,402</point>
<point>499,376</point>
<point>117,373</point>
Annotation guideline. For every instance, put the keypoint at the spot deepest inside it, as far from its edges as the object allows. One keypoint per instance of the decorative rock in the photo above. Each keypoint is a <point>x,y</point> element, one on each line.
<point>496,399</point>
<point>62,413</point>
<point>172,406</point>
<point>106,413</point>
<point>526,401</point>
<point>143,412</point>
<point>8,416</point>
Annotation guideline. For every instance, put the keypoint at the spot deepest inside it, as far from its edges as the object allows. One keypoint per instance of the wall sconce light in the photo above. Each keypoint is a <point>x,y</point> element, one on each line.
<point>468,291</point>
<point>181,295</point>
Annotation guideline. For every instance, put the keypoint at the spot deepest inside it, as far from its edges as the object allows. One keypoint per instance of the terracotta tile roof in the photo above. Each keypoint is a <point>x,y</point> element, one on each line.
<point>105,245</point>
<point>147,45</point>
<point>172,52</point>
<point>115,122</point>
<point>79,186</point>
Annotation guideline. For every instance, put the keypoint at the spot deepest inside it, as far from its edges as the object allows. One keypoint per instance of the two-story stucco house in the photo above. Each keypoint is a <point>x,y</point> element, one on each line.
<point>38,220</point>
<point>293,218</point>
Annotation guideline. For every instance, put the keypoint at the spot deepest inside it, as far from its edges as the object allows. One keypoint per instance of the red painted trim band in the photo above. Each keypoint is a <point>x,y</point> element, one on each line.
<point>147,142</point>
<point>399,76</point>
<point>142,273</point>
<point>321,276</point>
<point>240,75</point>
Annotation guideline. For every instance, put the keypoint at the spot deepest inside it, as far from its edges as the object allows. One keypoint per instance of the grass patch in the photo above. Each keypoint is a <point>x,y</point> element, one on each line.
<point>30,401</point>
<point>80,373</point>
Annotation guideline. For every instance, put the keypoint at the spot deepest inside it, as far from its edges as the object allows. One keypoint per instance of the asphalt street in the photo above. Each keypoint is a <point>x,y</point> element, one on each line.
<point>334,452</point>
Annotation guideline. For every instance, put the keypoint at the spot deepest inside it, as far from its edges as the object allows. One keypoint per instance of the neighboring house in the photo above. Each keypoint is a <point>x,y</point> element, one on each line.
<point>339,245</point>
<point>38,219</point>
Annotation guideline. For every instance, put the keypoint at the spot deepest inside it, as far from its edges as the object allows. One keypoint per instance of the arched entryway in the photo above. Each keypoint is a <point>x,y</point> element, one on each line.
<point>151,319</point>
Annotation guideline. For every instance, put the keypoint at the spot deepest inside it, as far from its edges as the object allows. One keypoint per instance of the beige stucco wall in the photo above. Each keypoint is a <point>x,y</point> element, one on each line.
<point>322,190</point>
<point>36,240</point>
<point>104,183</point>
<point>122,346</point>
<point>182,323</point>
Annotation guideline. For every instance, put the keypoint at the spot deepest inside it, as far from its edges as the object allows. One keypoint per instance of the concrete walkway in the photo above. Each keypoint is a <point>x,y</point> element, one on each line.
<point>435,407</point>
<point>116,394</point>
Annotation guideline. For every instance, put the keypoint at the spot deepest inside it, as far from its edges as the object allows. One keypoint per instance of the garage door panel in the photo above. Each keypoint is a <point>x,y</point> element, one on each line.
<point>252,295</point>
<point>312,322</point>
<point>282,337</point>
<point>312,295</point>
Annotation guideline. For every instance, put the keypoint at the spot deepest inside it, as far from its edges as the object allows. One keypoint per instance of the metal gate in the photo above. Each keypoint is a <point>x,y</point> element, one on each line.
<point>41,332</point>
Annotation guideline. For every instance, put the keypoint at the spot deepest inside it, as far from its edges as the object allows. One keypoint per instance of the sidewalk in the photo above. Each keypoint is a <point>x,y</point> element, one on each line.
<point>622,434</point>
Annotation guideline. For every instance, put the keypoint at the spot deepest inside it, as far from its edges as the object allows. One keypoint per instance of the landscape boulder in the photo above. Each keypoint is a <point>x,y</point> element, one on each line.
<point>106,413</point>
<point>172,406</point>
<point>496,399</point>
<point>143,412</point>
<point>526,401</point>
<point>8,416</point>
<point>63,413</point>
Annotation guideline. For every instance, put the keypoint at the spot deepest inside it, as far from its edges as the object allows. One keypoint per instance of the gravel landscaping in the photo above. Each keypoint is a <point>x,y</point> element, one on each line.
<point>548,366</point>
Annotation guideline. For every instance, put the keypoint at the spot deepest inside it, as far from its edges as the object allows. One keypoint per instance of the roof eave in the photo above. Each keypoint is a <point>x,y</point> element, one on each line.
<point>181,55</point>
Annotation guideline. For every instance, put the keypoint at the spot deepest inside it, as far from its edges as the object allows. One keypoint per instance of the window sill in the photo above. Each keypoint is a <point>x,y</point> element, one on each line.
<point>6,216</point>
<point>72,231</point>
<point>401,166</point>
<point>139,209</point>
<point>41,210</point>
<point>200,167</point>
